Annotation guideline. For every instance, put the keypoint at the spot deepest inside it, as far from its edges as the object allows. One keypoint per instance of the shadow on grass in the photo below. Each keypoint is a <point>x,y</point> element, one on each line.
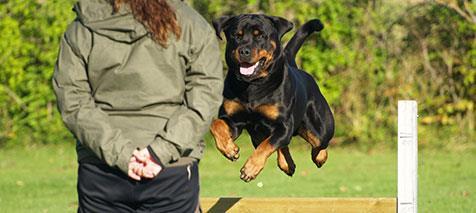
<point>224,204</point>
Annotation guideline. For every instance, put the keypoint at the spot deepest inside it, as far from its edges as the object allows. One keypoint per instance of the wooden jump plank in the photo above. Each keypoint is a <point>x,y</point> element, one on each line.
<point>338,205</point>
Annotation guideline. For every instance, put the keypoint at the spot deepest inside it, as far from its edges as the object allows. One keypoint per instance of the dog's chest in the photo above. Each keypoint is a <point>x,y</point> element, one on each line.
<point>270,111</point>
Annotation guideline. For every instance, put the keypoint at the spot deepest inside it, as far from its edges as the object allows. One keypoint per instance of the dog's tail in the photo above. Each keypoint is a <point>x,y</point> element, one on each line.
<point>293,46</point>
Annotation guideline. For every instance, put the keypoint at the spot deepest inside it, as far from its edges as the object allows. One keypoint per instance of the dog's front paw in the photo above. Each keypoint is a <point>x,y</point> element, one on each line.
<point>233,152</point>
<point>251,169</point>
<point>319,156</point>
<point>230,150</point>
<point>223,139</point>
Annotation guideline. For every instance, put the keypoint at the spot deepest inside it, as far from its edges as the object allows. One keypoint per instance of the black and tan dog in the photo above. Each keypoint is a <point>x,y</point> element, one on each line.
<point>268,95</point>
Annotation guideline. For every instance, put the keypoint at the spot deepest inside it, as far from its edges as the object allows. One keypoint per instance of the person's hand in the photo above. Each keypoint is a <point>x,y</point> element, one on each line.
<point>135,169</point>
<point>143,165</point>
<point>150,167</point>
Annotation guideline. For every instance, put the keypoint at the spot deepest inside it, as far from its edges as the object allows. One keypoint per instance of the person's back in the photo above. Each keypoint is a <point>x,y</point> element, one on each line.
<point>121,87</point>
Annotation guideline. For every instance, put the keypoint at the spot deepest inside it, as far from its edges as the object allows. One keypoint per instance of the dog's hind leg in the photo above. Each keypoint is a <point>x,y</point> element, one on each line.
<point>317,125</point>
<point>319,153</point>
<point>285,161</point>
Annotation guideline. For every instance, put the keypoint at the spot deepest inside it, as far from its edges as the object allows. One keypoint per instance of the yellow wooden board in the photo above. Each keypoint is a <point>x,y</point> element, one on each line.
<point>338,205</point>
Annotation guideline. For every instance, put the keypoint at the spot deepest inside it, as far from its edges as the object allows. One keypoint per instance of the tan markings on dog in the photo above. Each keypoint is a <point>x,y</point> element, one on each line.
<point>319,156</point>
<point>256,162</point>
<point>237,55</point>
<point>223,139</point>
<point>263,73</point>
<point>258,54</point>
<point>256,32</point>
<point>309,137</point>
<point>264,149</point>
<point>231,107</point>
<point>255,55</point>
<point>273,43</point>
<point>285,161</point>
<point>240,33</point>
<point>220,130</point>
<point>268,56</point>
<point>270,111</point>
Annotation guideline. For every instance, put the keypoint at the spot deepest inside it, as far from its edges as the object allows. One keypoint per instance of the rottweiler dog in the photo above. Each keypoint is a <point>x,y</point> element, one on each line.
<point>268,95</point>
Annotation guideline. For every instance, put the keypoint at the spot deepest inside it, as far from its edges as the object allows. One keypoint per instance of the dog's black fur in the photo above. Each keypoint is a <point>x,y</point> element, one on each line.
<point>274,102</point>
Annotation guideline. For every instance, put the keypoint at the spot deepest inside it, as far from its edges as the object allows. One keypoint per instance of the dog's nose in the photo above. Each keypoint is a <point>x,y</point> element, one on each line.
<point>245,52</point>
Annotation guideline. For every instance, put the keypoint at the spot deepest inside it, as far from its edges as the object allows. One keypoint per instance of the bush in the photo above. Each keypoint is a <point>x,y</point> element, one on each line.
<point>373,53</point>
<point>370,54</point>
<point>30,31</point>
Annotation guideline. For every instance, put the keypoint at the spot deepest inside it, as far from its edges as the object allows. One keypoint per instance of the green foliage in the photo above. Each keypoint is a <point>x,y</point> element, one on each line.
<point>373,53</point>
<point>370,54</point>
<point>30,33</point>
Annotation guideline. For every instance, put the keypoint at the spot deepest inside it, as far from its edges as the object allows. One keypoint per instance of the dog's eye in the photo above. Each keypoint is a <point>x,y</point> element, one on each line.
<point>257,34</point>
<point>238,35</point>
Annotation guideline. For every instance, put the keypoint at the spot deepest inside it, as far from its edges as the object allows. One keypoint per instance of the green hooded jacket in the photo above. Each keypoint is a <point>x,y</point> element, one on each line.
<point>118,90</point>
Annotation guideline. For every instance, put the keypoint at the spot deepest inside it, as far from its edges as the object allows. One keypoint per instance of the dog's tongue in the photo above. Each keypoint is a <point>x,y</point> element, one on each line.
<point>248,70</point>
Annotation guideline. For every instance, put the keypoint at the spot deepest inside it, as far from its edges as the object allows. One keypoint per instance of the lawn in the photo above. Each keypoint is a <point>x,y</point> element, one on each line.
<point>43,178</point>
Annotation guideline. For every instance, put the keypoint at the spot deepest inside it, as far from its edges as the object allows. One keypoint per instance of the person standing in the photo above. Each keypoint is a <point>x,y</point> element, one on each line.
<point>138,83</point>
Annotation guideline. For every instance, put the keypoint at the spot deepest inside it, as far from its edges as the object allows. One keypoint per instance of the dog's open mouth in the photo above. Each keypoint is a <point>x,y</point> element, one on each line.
<point>249,69</point>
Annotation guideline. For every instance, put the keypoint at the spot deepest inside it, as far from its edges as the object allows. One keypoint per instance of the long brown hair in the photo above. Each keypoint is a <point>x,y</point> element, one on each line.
<point>156,15</point>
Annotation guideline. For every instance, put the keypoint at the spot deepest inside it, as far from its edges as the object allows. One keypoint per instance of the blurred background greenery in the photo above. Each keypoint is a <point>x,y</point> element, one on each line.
<point>370,54</point>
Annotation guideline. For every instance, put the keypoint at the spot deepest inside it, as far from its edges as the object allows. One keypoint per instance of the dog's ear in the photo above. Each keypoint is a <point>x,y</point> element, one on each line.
<point>221,24</point>
<point>282,25</point>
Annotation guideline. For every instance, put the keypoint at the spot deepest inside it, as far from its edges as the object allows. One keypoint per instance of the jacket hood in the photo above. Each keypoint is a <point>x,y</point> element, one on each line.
<point>98,16</point>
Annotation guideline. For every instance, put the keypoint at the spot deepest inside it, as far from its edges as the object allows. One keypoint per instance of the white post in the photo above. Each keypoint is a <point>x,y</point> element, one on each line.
<point>407,157</point>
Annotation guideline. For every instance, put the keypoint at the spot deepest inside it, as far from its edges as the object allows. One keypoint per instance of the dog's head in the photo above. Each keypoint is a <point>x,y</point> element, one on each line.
<point>253,43</point>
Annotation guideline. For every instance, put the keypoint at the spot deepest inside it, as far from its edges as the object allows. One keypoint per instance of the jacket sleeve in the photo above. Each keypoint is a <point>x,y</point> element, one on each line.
<point>203,95</point>
<point>88,123</point>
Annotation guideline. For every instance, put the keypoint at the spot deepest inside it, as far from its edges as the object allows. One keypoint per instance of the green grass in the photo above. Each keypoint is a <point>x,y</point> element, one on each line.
<point>43,178</point>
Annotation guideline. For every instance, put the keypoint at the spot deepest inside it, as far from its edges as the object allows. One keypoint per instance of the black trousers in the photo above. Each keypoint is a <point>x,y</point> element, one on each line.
<point>105,189</point>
